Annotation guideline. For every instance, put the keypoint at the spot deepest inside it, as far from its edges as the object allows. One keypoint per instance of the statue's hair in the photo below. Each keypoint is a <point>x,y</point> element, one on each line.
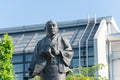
<point>50,22</point>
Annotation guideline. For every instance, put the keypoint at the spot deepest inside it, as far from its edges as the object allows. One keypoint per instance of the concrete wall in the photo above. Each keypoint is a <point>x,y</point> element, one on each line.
<point>115,60</point>
<point>100,50</point>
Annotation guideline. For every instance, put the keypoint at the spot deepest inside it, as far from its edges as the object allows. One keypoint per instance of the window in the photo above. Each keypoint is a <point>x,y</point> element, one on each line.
<point>17,58</point>
<point>76,53</point>
<point>75,62</point>
<point>90,61</point>
<point>19,76</point>
<point>83,61</point>
<point>90,51</point>
<point>83,51</point>
<point>18,67</point>
<point>26,67</point>
<point>28,57</point>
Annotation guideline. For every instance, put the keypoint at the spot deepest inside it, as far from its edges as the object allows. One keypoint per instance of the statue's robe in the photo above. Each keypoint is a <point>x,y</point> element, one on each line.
<point>49,65</point>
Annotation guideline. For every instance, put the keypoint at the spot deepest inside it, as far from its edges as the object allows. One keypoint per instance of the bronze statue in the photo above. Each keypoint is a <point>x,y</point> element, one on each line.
<point>52,55</point>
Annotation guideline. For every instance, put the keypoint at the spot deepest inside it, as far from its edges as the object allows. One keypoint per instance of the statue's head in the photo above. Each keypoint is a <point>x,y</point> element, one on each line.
<point>51,28</point>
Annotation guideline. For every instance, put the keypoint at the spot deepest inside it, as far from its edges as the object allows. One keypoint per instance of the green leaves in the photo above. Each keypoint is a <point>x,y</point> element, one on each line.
<point>37,78</point>
<point>86,74</point>
<point>83,75</point>
<point>6,51</point>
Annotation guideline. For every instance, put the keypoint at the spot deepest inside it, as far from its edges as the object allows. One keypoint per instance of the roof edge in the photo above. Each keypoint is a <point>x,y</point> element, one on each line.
<point>60,24</point>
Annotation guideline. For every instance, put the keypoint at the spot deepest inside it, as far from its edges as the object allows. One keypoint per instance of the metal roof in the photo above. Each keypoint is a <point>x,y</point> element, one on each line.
<point>26,37</point>
<point>60,24</point>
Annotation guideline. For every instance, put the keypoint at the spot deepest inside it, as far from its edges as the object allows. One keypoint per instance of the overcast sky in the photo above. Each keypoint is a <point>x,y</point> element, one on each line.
<point>15,13</point>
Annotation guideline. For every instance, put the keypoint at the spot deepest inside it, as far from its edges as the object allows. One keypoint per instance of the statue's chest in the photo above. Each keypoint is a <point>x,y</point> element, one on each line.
<point>52,43</point>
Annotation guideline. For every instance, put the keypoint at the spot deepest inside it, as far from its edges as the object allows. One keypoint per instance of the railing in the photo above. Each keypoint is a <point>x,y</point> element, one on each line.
<point>86,35</point>
<point>87,46</point>
<point>74,36</point>
<point>80,44</point>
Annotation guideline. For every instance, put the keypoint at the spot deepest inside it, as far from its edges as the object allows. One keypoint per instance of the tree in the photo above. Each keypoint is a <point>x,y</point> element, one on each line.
<point>6,51</point>
<point>86,74</point>
<point>36,78</point>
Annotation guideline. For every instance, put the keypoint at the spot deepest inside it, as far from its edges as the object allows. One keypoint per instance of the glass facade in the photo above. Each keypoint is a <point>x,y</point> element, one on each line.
<point>21,61</point>
<point>25,42</point>
<point>21,64</point>
<point>18,65</point>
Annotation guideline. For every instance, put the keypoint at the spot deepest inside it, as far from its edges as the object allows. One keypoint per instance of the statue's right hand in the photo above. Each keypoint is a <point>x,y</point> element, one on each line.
<point>47,53</point>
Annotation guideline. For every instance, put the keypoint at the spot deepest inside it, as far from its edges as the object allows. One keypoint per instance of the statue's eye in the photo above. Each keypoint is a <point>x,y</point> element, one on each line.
<point>53,24</point>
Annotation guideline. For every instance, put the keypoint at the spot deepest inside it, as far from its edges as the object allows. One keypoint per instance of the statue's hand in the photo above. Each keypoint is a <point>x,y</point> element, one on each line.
<point>55,51</point>
<point>47,53</point>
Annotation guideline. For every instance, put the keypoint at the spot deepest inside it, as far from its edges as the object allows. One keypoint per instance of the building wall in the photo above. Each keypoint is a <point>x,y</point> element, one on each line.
<point>26,39</point>
<point>115,60</point>
<point>100,50</point>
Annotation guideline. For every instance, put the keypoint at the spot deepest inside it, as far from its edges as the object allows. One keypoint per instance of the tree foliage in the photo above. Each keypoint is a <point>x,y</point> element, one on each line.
<point>6,50</point>
<point>37,78</point>
<point>86,74</point>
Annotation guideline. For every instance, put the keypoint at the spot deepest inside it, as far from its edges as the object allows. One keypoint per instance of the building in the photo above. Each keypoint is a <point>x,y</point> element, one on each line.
<point>94,41</point>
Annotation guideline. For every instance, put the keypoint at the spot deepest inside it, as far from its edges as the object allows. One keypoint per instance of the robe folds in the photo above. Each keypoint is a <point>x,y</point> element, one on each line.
<point>50,54</point>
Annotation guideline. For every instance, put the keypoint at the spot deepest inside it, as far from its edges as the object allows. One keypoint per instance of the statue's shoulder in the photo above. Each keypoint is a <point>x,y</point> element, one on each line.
<point>41,41</point>
<point>63,38</point>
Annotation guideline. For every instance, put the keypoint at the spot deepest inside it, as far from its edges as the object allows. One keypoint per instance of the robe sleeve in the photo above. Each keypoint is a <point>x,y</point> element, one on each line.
<point>33,62</point>
<point>38,62</point>
<point>66,52</point>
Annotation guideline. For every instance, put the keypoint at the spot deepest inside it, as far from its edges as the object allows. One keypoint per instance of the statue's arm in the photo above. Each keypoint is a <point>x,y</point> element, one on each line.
<point>67,51</point>
<point>33,61</point>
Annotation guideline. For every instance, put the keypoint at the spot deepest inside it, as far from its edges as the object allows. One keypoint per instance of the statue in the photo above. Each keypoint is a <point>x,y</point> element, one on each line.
<point>52,55</point>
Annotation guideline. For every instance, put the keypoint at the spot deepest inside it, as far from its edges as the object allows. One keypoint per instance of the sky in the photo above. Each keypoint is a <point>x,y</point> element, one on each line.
<point>15,13</point>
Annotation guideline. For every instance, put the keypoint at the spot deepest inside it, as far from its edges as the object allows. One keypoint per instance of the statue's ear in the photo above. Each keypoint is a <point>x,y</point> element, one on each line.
<point>45,28</point>
<point>57,29</point>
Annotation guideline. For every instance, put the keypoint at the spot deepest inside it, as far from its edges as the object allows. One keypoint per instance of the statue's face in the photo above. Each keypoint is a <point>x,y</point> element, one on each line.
<point>51,28</point>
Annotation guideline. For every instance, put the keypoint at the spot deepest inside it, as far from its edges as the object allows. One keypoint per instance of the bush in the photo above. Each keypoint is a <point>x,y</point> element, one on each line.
<point>6,50</point>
